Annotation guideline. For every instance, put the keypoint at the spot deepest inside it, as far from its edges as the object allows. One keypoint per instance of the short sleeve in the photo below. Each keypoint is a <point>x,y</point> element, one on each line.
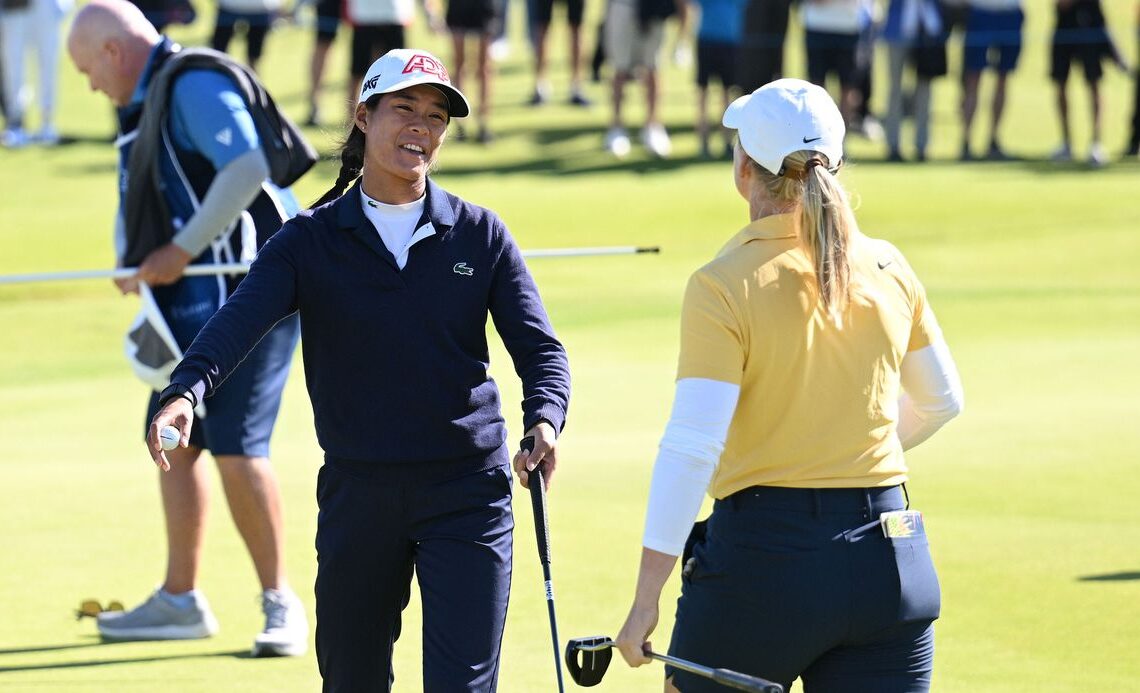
<point>211,117</point>
<point>924,329</point>
<point>712,344</point>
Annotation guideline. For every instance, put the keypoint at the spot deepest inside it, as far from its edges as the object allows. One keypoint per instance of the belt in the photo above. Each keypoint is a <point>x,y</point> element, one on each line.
<point>867,501</point>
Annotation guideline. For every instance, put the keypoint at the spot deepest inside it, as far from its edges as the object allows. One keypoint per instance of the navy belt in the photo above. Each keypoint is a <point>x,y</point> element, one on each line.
<point>868,501</point>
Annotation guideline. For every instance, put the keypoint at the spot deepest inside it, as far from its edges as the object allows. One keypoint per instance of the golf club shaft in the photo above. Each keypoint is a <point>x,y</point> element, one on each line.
<point>240,268</point>
<point>537,484</point>
<point>725,677</point>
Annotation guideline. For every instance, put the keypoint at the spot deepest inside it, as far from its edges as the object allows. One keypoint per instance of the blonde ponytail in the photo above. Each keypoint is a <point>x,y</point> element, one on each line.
<point>825,220</point>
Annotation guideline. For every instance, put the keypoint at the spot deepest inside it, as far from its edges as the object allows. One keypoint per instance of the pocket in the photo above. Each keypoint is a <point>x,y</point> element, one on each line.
<point>920,597</point>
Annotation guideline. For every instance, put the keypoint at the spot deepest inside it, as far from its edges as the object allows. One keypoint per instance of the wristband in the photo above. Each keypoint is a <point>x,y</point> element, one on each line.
<point>174,391</point>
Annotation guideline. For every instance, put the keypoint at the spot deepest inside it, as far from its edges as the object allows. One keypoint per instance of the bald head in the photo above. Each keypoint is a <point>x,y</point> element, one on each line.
<point>109,42</point>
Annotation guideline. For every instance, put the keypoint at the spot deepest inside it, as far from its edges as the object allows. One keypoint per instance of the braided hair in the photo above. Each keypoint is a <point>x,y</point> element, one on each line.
<point>351,163</point>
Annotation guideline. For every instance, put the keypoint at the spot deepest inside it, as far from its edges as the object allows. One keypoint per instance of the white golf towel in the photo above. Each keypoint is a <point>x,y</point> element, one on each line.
<point>151,348</point>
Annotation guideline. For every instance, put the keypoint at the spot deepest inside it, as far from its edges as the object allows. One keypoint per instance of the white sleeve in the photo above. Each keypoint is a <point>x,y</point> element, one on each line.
<point>686,460</point>
<point>932,393</point>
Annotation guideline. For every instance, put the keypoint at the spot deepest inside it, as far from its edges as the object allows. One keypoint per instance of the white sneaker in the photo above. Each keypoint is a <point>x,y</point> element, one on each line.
<point>656,140</point>
<point>617,142</point>
<point>14,138</point>
<point>158,619</point>
<point>286,632</point>
<point>500,50</point>
<point>1097,155</point>
<point>1062,154</point>
<point>47,136</point>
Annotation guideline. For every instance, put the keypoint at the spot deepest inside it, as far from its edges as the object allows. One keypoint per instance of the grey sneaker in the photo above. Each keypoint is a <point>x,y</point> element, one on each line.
<point>158,619</point>
<point>286,632</point>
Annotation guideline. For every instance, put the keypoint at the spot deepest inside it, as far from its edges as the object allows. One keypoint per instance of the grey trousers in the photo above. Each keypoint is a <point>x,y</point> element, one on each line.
<point>897,54</point>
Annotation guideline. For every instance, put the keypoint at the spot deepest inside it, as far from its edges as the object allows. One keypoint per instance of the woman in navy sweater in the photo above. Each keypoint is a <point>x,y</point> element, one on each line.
<point>394,281</point>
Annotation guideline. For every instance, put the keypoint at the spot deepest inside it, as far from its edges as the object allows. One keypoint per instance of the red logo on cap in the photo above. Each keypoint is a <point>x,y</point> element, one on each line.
<point>425,63</point>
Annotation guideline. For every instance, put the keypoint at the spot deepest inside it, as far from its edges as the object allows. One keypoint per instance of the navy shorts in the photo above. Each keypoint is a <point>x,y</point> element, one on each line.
<point>543,11</point>
<point>328,19</point>
<point>838,53</point>
<point>370,41</point>
<point>450,524</point>
<point>241,413</point>
<point>802,583</point>
<point>716,60</point>
<point>993,39</point>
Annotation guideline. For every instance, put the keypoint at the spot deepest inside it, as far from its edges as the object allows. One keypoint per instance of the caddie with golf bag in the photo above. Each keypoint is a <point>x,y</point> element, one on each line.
<point>810,360</point>
<point>205,161</point>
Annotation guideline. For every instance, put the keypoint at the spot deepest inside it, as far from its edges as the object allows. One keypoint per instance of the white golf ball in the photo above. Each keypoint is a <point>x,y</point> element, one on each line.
<point>169,436</point>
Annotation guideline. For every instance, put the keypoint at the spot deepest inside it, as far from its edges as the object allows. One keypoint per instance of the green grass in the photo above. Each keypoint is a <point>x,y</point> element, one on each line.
<point>1031,267</point>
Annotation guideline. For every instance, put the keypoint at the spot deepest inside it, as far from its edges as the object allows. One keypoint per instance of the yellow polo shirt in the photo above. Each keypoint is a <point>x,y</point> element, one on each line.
<point>818,404</point>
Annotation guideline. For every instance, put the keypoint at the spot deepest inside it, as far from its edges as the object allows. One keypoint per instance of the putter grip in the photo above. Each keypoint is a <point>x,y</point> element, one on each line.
<point>744,682</point>
<point>538,504</point>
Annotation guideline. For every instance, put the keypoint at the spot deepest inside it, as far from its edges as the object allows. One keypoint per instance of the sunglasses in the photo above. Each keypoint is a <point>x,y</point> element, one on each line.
<point>92,608</point>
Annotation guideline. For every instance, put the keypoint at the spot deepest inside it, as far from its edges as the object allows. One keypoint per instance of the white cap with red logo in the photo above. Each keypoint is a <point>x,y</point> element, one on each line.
<point>406,67</point>
<point>787,116</point>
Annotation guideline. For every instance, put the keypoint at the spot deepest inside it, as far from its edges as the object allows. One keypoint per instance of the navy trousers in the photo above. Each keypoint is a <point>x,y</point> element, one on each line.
<point>802,583</point>
<point>380,523</point>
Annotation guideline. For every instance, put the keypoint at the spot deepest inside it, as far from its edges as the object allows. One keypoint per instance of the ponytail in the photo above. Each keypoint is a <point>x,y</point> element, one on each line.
<point>825,221</point>
<point>351,164</point>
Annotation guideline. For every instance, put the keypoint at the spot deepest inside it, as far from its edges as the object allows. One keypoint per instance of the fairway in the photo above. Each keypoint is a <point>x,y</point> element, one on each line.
<point>1029,496</point>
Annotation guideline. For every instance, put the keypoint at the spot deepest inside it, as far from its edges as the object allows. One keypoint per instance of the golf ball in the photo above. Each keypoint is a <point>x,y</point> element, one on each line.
<point>169,436</point>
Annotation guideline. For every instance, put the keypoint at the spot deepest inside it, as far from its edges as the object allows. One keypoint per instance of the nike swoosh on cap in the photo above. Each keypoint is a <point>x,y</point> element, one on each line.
<point>807,141</point>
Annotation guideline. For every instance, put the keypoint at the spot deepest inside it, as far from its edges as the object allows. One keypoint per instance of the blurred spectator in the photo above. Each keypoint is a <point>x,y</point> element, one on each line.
<point>378,26</point>
<point>915,33</point>
<point>253,17</point>
<point>865,123</point>
<point>760,58</point>
<point>328,21</point>
<point>635,30</point>
<point>27,24</point>
<point>832,32</point>
<point>993,39</point>
<point>540,23</point>
<point>163,13</point>
<point>718,44</point>
<point>478,20</point>
<point>1080,35</point>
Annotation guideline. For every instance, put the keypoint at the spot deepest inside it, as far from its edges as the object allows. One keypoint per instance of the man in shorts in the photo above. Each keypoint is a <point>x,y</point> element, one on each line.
<point>1081,36</point>
<point>540,21</point>
<point>328,21</point>
<point>993,40</point>
<point>634,31</point>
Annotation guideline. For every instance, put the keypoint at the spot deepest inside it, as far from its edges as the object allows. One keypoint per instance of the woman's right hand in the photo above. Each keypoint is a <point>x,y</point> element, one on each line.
<point>177,413</point>
<point>633,640</point>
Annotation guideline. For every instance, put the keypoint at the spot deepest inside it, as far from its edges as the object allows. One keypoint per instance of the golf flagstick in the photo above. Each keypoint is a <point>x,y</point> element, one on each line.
<point>242,268</point>
<point>537,486</point>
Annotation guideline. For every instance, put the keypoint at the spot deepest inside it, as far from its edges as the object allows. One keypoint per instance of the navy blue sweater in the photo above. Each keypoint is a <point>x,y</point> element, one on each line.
<point>395,360</point>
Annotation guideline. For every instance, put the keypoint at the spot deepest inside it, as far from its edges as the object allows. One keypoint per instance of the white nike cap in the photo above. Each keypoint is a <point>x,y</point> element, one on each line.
<point>786,116</point>
<point>406,67</point>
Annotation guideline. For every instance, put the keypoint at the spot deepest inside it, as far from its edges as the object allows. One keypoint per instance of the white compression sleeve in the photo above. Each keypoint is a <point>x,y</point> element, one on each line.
<point>932,393</point>
<point>686,460</point>
<point>231,191</point>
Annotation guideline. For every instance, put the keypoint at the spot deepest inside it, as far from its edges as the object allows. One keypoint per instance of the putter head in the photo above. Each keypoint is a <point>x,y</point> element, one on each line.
<point>588,666</point>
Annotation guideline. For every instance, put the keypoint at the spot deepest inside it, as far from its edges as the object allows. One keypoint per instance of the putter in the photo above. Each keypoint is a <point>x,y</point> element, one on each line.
<point>589,669</point>
<point>537,486</point>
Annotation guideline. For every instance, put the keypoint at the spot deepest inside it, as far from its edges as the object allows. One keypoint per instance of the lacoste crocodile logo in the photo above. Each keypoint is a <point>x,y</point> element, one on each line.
<point>463,269</point>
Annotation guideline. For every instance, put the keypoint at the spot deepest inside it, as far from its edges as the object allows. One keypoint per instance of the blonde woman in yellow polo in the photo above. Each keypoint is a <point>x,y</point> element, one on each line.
<point>810,360</point>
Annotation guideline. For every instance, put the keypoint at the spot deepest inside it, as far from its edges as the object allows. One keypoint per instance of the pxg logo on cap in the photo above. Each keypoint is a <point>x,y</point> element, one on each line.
<point>402,68</point>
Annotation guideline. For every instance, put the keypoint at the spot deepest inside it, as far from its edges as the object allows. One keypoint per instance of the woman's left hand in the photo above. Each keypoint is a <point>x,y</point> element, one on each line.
<point>545,450</point>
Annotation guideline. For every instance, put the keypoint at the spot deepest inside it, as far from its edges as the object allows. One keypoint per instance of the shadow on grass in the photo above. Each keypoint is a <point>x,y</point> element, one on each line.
<point>1111,577</point>
<point>236,654</point>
